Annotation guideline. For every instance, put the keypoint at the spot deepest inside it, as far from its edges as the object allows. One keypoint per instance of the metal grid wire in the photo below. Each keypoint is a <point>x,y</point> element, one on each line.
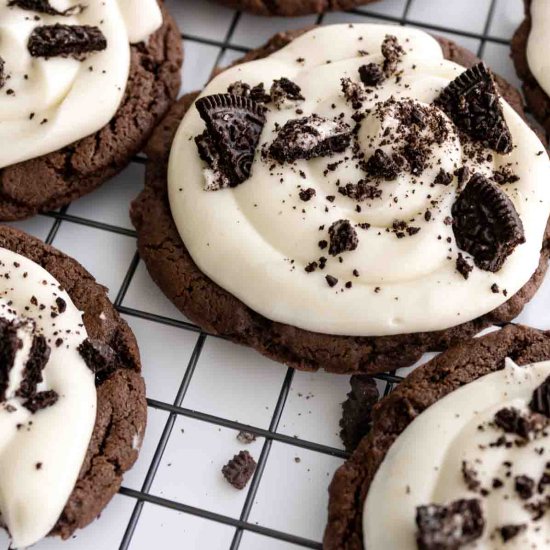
<point>175,408</point>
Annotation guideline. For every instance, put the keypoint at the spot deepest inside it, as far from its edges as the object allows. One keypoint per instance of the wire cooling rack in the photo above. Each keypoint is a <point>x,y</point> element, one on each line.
<point>203,390</point>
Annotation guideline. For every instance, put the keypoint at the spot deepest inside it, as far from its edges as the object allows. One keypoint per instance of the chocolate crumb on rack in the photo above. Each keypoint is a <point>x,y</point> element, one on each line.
<point>239,470</point>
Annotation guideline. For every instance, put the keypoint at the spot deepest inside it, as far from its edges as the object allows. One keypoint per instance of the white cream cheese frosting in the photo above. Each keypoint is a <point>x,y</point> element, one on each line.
<point>256,239</point>
<point>41,453</point>
<point>537,45</point>
<point>47,104</point>
<point>424,465</point>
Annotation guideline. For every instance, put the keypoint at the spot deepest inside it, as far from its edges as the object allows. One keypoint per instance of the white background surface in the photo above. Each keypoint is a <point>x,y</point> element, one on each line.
<point>197,384</point>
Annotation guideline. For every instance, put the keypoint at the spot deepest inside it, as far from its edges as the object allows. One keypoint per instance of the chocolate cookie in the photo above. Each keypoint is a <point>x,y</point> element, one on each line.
<point>57,178</point>
<point>537,99</point>
<point>431,382</point>
<point>112,353</point>
<point>293,8</point>
<point>219,312</point>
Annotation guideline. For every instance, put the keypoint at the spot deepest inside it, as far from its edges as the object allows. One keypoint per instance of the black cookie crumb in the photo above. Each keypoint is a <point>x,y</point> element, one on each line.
<point>357,410</point>
<point>331,281</point>
<point>343,237</point>
<point>2,72</point>
<point>307,194</point>
<point>392,52</point>
<point>239,470</point>
<point>382,166</point>
<point>284,90</point>
<point>449,527</point>
<point>486,223</point>
<point>371,74</point>
<point>508,532</point>
<point>524,486</point>
<point>360,191</point>
<point>65,40</point>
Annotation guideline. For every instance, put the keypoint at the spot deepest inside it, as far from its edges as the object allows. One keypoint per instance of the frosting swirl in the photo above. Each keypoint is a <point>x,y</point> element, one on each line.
<point>462,448</point>
<point>269,235</point>
<point>48,103</point>
<point>44,431</point>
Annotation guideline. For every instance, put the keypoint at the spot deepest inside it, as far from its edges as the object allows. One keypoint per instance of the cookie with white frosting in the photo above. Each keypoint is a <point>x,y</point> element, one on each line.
<point>72,398</point>
<point>530,59</point>
<point>399,206</point>
<point>82,85</point>
<point>292,8</point>
<point>457,456</point>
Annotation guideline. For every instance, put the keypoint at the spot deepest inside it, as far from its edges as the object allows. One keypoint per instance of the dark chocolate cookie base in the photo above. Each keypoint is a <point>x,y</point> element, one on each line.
<point>536,98</point>
<point>121,404</point>
<point>291,8</point>
<point>56,179</point>
<point>447,372</point>
<point>218,312</point>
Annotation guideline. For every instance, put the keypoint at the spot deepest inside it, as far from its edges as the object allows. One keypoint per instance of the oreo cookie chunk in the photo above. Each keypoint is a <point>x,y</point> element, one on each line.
<point>39,337</point>
<point>343,237</point>
<point>66,41</point>
<point>310,137</point>
<point>285,93</point>
<point>486,223</point>
<point>472,103</point>
<point>233,128</point>
<point>239,470</point>
<point>468,383</point>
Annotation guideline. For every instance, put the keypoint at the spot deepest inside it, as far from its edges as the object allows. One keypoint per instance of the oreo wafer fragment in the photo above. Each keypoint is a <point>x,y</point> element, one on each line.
<point>65,40</point>
<point>449,527</point>
<point>310,137</point>
<point>343,237</point>
<point>486,223</point>
<point>44,6</point>
<point>234,125</point>
<point>472,102</point>
<point>284,90</point>
<point>41,400</point>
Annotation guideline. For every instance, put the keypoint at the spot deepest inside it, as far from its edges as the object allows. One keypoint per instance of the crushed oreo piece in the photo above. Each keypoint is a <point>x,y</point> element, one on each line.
<point>443,177</point>
<point>524,486</point>
<point>486,223</point>
<point>343,237</point>
<point>354,92</point>
<point>360,191</point>
<point>310,137</point>
<point>511,421</point>
<point>540,402</point>
<point>284,91</point>
<point>100,358</point>
<point>215,178</point>
<point>234,124</point>
<point>357,410</point>
<point>508,532</point>
<point>255,93</point>
<point>331,281</point>
<point>239,470</point>
<point>449,527</point>
<point>371,74</point>
<point>246,437</point>
<point>32,374</point>
<point>470,477</point>
<point>41,400</point>
<point>392,52</point>
<point>9,344</point>
<point>472,103</point>
<point>61,305</point>
<point>504,175</point>
<point>382,166</point>
<point>66,41</point>
<point>463,267</point>
<point>307,194</point>
<point>463,175</point>
<point>44,6</point>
